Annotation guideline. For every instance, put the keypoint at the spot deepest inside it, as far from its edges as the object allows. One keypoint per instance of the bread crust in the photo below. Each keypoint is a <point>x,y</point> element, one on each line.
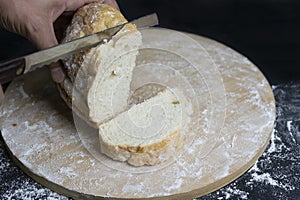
<point>143,155</point>
<point>149,148</point>
<point>87,20</point>
<point>90,19</point>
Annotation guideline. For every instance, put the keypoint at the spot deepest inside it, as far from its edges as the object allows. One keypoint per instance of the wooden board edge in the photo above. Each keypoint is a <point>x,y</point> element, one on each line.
<point>188,195</point>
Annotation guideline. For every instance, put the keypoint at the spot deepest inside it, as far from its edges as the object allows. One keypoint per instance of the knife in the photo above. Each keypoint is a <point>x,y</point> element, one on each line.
<point>22,65</point>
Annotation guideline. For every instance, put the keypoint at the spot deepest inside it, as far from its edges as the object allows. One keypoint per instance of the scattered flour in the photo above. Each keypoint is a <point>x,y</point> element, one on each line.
<point>25,188</point>
<point>30,192</point>
<point>242,194</point>
<point>267,173</point>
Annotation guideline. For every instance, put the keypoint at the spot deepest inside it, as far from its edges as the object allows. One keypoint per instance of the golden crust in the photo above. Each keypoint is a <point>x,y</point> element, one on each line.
<point>90,19</point>
<point>93,18</point>
<point>148,155</point>
<point>153,147</point>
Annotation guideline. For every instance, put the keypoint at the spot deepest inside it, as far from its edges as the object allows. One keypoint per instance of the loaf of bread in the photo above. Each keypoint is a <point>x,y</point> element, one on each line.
<point>97,88</point>
<point>98,80</point>
<point>149,132</point>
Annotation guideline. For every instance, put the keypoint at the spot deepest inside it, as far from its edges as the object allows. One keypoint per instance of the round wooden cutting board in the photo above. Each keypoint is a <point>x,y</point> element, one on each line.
<point>234,112</point>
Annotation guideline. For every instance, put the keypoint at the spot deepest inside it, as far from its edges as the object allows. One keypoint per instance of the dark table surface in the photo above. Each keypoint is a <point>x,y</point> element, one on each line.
<point>265,31</point>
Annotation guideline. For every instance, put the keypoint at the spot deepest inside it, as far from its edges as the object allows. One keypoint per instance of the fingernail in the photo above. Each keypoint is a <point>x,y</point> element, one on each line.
<point>57,72</point>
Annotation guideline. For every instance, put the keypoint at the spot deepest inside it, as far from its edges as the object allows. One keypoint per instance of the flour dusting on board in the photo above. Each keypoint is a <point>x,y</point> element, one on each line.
<point>60,162</point>
<point>16,185</point>
<point>271,172</point>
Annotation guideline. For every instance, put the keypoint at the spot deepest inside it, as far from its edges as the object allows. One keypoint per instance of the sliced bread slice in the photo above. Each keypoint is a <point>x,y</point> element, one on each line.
<point>149,132</point>
<point>98,80</point>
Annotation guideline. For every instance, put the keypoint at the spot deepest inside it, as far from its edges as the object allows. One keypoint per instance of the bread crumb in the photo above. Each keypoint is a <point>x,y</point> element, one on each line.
<point>175,102</point>
<point>113,73</point>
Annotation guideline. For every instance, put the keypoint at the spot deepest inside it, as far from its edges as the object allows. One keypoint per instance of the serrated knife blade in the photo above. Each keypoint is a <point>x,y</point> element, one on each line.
<point>18,66</point>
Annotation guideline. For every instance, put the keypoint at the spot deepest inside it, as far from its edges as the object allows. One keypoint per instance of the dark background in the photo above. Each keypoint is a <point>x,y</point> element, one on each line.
<point>265,31</point>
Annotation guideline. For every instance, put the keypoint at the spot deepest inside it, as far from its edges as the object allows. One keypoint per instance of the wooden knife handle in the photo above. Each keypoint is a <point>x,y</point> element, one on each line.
<point>11,69</point>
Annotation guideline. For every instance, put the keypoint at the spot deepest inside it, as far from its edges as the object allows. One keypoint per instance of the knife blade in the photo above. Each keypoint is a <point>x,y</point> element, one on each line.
<point>18,66</point>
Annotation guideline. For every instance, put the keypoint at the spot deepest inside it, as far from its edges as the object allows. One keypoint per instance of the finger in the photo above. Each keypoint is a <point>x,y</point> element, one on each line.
<point>57,72</point>
<point>112,3</point>
<point>1,95</point>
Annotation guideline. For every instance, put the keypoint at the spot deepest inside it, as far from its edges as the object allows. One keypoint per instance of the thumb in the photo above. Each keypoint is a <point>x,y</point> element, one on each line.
<point>57,72</point>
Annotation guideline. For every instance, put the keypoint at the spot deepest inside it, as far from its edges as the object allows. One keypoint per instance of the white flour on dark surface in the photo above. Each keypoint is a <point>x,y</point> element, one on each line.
<point>274,176</point>
<point>17,185</point>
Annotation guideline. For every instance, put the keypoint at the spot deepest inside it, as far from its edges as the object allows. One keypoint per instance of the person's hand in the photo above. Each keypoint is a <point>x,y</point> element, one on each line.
<point>34,20</point>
